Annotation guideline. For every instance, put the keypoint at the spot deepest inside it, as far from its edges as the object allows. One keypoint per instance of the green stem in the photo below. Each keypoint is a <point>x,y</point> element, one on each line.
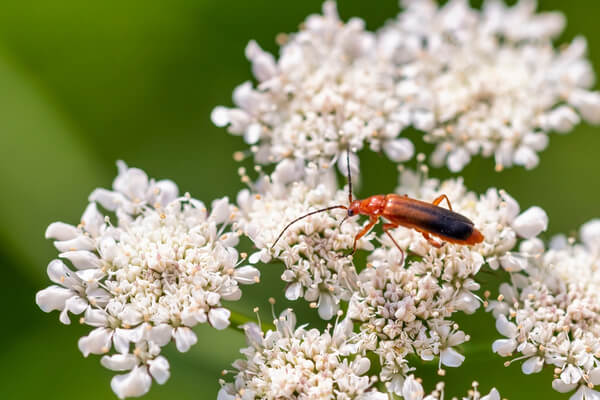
<point>238,319</point>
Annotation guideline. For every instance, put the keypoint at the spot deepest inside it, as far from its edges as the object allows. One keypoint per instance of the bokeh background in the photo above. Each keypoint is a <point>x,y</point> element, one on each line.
<point>83,84</point>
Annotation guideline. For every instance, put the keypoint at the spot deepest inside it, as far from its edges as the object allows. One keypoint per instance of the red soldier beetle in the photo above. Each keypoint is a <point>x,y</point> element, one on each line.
<point>428,218</point>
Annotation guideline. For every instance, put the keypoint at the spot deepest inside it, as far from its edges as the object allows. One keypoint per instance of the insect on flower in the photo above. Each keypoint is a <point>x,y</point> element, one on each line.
<point>427,218</point>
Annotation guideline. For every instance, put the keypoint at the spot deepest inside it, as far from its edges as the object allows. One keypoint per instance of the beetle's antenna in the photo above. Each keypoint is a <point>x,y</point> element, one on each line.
<point>304,216</point>
<point>344,220</point>
<point>349,176</point>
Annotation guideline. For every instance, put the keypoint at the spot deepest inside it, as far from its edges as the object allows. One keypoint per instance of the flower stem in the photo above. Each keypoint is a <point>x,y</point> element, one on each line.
<point>238,319</point>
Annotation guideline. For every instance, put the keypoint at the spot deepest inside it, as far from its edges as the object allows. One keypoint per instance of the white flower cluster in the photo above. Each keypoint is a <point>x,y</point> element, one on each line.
<point>298,363</point>
<point>163,268</point>
<point>407,309</point>
<point>488,82</point>
<point>327,91</point>
<point>550,314</point>
<point>312,249</point>
<point>301,363</point>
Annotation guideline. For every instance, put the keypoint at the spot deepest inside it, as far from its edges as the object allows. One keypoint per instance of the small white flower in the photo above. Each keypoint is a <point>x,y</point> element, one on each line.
<point>163,268</point>
<point>298,363</point>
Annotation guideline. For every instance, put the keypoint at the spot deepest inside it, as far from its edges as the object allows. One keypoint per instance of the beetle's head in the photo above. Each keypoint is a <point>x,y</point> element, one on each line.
<point>354,208</point>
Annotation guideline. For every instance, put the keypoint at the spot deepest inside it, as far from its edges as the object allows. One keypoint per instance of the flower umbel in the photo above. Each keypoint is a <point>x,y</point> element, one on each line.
<point>550,314</point>
<point>313,249</point>
<point>488,82</point>
<point>166,266</point>
<point>327,91</point>
<point>407,309</point>
<point>299,363</point>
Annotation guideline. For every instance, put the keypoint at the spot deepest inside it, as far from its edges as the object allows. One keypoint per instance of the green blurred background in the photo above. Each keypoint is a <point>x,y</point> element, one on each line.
<point>83,84</point>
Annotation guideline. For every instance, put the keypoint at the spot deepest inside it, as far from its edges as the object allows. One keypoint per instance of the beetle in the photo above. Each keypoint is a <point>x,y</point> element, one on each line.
<point>400,210</point>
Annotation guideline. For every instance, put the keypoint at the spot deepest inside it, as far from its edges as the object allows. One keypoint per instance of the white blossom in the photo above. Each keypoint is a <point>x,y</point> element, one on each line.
<point>407,309</point>
<point>299,363</point>
<point>488,82</point>
<point>313,249</point>
<point>550,313</point>
<point>165,266</point>
<point>327,91</point>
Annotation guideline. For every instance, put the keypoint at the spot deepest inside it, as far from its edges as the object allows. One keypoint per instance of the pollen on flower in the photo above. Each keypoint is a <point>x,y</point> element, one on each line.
<point>163,268</point>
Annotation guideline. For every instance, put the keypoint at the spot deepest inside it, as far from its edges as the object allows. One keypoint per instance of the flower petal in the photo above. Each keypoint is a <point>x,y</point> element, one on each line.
<point>53,298</point>
<point>532,366</point>
<point>132,182</point>
<point>531,222</point>
<point>161,334</point>
<point>412,389</point>
<point>108,199</point>
<point>119,362</point>
<point>504,347</point>
<point>294,291</point>
<point>595,376</point>
<point>159,369</point>
<point>81,242</point>
<point>451,358</point>
<point>163,192</point>
<point>184,338</point>
<point>134,384</point>
<point>82,259</point>
<point>247,275</point>
<point>492,395</point>
<point>399,150</point>
<point>95,317</point>
<point>505,327</point>
<point>560,386</point>
<point>75,305</point>
<point>97,342</point>
<point>92,220</point>
<point>327,306</point>
<point>219,317</point>
<point>220,210</point>
<point>61,231</point>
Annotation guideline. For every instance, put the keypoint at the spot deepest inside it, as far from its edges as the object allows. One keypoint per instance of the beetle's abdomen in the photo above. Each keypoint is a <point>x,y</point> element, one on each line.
<point>439,221</point>
<point>448,223</point>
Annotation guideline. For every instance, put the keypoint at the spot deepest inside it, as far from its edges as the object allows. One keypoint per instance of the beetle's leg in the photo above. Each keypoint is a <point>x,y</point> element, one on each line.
<point>386,228</point>
<point>439,199</point>
<point>372,221</point>
<point>431,240</point>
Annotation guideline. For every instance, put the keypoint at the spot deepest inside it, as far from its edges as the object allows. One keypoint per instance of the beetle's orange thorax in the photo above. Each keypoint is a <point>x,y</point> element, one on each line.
<point>373,205</point>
